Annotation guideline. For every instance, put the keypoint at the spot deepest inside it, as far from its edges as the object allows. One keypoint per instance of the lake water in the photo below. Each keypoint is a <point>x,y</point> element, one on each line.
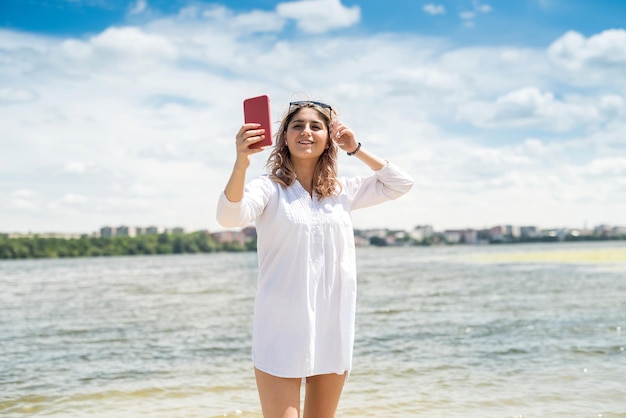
<point>486,331</point>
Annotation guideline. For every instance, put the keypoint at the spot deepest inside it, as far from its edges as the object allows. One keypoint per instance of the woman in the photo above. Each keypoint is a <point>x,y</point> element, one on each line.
<point>304,311</point>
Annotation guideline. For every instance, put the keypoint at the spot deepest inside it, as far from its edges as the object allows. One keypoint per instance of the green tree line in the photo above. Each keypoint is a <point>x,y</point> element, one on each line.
<point>40,247</point>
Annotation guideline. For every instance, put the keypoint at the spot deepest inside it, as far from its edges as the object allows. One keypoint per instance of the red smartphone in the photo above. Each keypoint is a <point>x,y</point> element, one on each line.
<point>257,110</point>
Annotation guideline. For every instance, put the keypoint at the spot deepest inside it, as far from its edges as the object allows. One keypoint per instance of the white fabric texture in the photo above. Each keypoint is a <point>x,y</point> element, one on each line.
<point>304,311</point>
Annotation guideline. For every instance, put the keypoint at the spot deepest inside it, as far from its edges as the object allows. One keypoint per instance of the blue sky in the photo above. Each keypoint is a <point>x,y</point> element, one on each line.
<point>524,22</point>
<point>123,112</point>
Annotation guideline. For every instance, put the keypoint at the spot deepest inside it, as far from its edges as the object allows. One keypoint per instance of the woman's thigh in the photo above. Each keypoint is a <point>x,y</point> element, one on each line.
<point>322,395</point>
<point>280,397</point>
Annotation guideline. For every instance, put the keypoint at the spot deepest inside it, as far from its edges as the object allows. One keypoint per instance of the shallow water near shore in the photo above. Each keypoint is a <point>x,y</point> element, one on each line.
<point>485,331</point>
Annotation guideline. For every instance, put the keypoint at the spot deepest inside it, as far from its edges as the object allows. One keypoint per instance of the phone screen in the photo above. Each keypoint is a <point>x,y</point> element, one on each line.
<point>257,110</point>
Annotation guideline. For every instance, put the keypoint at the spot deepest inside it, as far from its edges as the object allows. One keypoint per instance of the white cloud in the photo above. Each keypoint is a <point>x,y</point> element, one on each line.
<point>319,16</point>
<point>76,167</point>
<point>21,200</point>
<point>144,190</point>
<point>138,7</point>
<point>211,19</point>
<point>591,61</point>
<point>132,42</point>
<point>482,8</point>
<point>259,21</point>
<point>574,51</point>
<point>533,147</point>
<point>74,199</point>
<point>116,48</point>
<point>22,204</point>
<point>11,95</point>
<point>434,9</point>
<point>609,166</point>
<point>24,193</point>
<point>469,16</point>
<point>529,107</point>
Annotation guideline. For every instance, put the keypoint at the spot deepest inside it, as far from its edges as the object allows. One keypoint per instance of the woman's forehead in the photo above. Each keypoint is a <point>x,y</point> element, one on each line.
<point>307,114</point>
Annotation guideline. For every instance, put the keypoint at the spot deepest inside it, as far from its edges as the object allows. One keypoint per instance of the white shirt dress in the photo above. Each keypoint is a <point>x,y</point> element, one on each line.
<point>304,310</point>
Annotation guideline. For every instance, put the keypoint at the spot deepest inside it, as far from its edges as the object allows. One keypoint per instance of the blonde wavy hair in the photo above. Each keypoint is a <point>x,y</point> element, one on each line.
<point>279,163</point>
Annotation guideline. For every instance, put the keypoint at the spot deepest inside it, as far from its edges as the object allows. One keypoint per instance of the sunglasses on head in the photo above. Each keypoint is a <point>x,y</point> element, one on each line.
<point>304,102</point>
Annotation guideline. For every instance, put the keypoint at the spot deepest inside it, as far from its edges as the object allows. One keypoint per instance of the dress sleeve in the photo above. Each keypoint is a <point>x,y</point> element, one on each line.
<point>240,214</point>
<point>388,183</point>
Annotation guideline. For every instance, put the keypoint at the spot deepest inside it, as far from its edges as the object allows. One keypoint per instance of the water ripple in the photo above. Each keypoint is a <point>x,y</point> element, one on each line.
<point>438,334</point>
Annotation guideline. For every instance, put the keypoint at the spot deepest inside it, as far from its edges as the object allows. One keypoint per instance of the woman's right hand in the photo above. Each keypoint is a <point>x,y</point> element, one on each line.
<point>248,134</point>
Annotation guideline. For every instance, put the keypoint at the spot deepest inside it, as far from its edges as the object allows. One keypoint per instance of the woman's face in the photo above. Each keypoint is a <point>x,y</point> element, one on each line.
<point>307,135</point>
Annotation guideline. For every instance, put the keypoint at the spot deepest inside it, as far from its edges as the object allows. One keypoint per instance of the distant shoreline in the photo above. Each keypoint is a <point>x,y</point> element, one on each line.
<point>161,244</point>
<point>36,247</point>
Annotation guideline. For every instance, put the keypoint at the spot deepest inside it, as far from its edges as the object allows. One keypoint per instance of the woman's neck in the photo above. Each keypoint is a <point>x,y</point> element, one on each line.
<point>304,173</point>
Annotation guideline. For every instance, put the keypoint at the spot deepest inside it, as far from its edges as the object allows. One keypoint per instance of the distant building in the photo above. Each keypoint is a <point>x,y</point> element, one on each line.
<point>107,232</point>
<point>125,231</point>
<point>452,236</point>
<point>602,230</point>
<point>361,241</point>
<point>378,233</point>
<point>382,236</point>
<point>513,231</point>
<point>497,233</point>
<point>154,230</point>
<point>529,232</point>
<point>249,233</point>
<point>618,231</point>
<point>422,232</point>
<point>469,236</point>
<point>133,231</point>
<point>483,236</point>
<point>461,236</point>
<point>397,237</point>
<point>230,236</point>
<point>574,233</point>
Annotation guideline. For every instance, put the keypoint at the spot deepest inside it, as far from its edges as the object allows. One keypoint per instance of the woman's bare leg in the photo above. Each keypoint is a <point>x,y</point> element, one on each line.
<point>322,395</point>
<point>280,397</point>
